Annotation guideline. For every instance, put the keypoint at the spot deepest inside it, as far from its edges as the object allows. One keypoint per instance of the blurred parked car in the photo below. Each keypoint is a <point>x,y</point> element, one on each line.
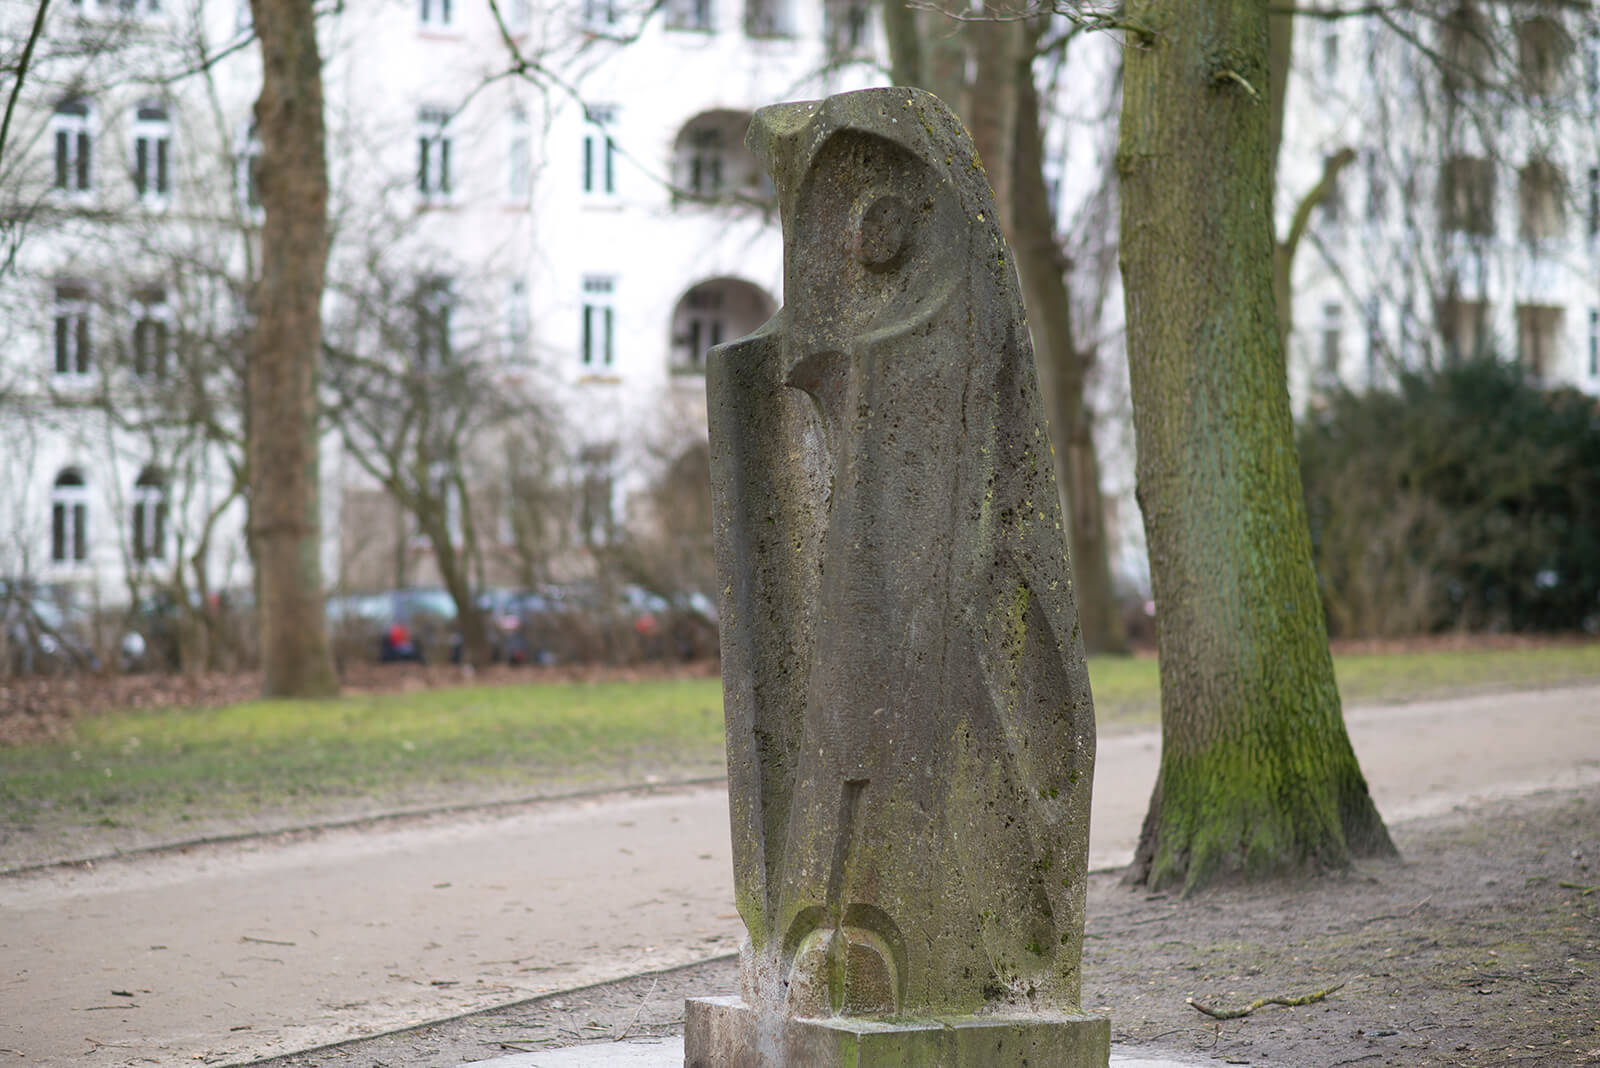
<point>411,624</point>
<point>155,639</point>
<point>45,631</point>
<point>525,627</point>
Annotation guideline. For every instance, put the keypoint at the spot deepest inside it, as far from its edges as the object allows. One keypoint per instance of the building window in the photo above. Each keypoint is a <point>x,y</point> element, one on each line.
<point>1466,49</point>
<point>152,334</point>
<point>1377,185</point>
<point>433,305</point>
<point>1332,341</point>
<point>1594,342</point>
<point>1591,64</point>
<point>765,18</point>
<point>1594,201</point>
<point>520,18</point>
<point>519,159</point>
<point>73,348</point>
<point>1544,52</point>
<point>433,155</point>
<point>518,321</point>
<point>711,313</point>
<point>600,16</point>
<point>599,322</point>
<point>1333,199</point>
<point>69,518</point>
<point>152,152</point>
<point>702,327</point>
<point>247,170</point>
<point>1330,51</point>
<point>599,152</point>
<point>436,14</point>
<point>709,160</point>
<point>1538,338</point>
<point>846,25</point>
<point>1374,341</point>
<point>596,508</point>
<point>689,15</point>
<point>704,173</point>
<point>70,125</point>
<point>1466,195</point>
<point>1463,329</point>
<point>1542,201</point>
<point>149,516</point>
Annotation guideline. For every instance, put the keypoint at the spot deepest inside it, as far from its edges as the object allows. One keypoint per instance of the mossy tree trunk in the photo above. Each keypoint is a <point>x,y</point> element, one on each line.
<point>285,355</point>
<point>1257,773</point>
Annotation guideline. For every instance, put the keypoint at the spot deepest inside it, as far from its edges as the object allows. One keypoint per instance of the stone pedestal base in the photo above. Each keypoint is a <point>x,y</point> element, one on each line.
<point>726,1033</point>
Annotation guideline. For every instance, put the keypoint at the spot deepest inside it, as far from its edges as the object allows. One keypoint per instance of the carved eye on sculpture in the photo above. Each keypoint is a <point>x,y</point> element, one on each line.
<point>882,232</point>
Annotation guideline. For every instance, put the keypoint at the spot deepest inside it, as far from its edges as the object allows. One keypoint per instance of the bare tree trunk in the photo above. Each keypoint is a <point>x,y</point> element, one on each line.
<point>285,352</point>
<point>1257,773</point>
<point>1041,268</point>
<point>1001,108</point>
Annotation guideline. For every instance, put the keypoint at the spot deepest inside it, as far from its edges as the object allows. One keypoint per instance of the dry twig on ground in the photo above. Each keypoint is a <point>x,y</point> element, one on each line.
<point>1234,1014</point>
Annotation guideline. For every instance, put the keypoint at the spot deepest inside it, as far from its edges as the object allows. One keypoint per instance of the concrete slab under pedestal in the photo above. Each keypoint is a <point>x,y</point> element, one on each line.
<point>726,1033</point>
<point>668,1053</point>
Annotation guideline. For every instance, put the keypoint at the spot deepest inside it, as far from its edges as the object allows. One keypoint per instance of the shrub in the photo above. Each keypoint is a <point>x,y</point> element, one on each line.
<point>1467,498</point>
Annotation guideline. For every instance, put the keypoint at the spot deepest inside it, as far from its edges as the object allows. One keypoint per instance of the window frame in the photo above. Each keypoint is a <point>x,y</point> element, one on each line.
<point>847,28</point>
<point>151,312</point>
<point>72,138</point>
<point>599,165</point>
<point>72,334</point>
<point>69,518</point>
<point>152,131</point>
<point>247,172</point>
<point>598,331</point>
<point>600,17</point>
<point>434,150</point>
<point>434,305</point>
<point>438,16</point>
<point>519,159</point>
<point>691,16</point>
<point>148,530</point>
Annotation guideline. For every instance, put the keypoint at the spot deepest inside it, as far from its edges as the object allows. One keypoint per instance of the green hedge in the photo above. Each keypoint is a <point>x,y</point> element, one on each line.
<point>1467,498</point>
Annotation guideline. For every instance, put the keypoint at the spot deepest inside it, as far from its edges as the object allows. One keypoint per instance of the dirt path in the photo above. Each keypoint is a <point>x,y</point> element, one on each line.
<point>228,953</point>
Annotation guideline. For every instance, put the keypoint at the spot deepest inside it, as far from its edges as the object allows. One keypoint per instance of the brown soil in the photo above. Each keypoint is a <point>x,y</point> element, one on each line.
<point>1481,947</point>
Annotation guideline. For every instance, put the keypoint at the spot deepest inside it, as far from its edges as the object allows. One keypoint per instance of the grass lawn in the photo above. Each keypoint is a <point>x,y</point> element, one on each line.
<point>168,771</point>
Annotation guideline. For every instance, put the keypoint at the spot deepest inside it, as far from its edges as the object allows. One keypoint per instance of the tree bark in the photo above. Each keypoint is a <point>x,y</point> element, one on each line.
<point>1257,774</point>
<point>285,353</point>
<point>1063,367</point>
<point>1002,111</point>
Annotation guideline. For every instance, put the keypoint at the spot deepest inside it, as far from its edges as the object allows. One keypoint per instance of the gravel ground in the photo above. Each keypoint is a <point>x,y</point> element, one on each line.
<point>1481,947</point>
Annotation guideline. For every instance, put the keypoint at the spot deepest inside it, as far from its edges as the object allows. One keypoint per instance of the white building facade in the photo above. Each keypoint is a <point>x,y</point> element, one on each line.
<point>562,192</point>
<point>1467,220</point>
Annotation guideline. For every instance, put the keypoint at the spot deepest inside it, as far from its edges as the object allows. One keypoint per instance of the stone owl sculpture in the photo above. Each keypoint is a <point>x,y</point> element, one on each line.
<point>910,732</point>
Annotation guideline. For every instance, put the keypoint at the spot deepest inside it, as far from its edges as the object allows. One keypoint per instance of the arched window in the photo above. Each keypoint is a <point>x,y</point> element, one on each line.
<point>69,517</point>
<point>149,516</point>
<point>152,151</point>
<point>710,160</point>
<point>713,312</point>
